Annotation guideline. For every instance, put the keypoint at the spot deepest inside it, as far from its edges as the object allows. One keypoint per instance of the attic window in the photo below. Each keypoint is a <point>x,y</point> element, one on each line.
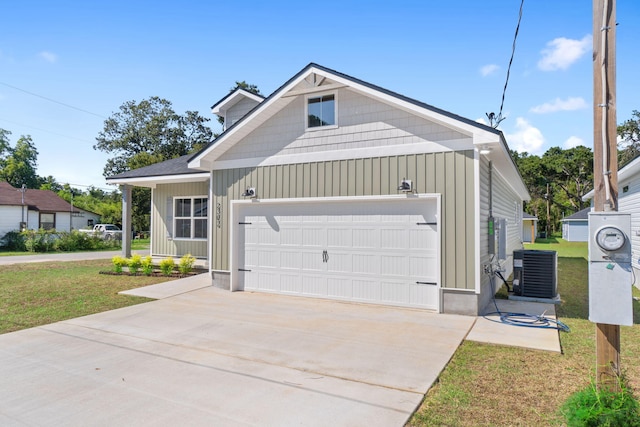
<point>321,111</point>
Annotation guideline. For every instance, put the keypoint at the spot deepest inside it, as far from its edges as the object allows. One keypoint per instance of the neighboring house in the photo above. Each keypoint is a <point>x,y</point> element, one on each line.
<point>629,202</point>
<point>529,228</point>
<point>35,209</point>
<point>575,228</point>
<point>332,187</point>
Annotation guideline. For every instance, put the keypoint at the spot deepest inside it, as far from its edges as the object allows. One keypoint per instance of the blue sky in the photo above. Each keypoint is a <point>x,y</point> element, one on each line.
<point>95,56</point>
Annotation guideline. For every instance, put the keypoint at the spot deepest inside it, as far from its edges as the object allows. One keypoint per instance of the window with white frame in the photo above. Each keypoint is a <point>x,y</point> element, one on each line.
<point>190,217</point>
<point>321,111</point>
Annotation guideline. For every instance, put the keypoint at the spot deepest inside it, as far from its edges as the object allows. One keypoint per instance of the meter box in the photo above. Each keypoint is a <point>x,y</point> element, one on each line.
<point>610,274</point>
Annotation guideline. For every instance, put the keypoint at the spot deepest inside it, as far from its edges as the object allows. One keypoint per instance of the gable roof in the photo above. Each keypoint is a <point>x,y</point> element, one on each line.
<point>483,136</point>
<point>164,172</point>
<point>582,215</point>
<point>40,200</point>
<point>233,98</point>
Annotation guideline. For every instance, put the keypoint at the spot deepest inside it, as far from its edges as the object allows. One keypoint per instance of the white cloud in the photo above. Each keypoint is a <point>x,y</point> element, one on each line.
<point>489,69</point>
<point>48,56</point>
<point>558,104</point>
<point>561,53</point>
<point>573,142</point>
<point>526,138</point>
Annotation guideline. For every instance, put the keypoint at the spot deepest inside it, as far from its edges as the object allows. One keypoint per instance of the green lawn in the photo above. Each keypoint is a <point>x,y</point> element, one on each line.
<point>491,385</point>
<point>40,293</point>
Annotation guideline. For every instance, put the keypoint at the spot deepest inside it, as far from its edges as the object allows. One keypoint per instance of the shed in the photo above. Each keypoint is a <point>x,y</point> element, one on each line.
<point>575,228</point>
<point>529,228</point>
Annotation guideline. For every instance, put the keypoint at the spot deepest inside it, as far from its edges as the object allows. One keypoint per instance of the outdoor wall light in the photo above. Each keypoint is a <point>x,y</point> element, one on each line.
<point>484,150</point>
<point>249,192</point>
<point>405,186</point>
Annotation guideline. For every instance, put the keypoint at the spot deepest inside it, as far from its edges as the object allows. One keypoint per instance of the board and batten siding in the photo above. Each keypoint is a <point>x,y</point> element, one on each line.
<point>162,220</point>
<point>362,123</point>
<point>629,202</point>
<point>450,174</point>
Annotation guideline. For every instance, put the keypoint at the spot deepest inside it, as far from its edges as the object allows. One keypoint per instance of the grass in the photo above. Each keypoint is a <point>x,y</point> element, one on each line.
<point>491,385</point>
<point>41,293</point>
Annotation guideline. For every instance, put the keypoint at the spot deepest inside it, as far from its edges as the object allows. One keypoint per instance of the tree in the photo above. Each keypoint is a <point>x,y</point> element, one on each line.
<point>148,132</point>
<point>629,132</point>
<point>19,166</point>
<point>571,171</point>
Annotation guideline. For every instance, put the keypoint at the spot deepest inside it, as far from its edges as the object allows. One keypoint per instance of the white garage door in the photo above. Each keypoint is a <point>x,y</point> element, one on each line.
<point>381,250</point>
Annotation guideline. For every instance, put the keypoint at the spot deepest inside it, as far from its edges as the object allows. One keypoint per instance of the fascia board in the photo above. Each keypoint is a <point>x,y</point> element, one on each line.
<point>153,181</point>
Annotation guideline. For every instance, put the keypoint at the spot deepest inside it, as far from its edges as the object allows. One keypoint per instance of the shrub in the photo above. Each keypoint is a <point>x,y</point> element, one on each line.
<point>40,240</point>
<point>186,264</point>
<point>13,241</point>
<point>593,407</point>
<point>118,263</point>
<point>135,263</point>
<point>147,265</point>
<point>166,266</point>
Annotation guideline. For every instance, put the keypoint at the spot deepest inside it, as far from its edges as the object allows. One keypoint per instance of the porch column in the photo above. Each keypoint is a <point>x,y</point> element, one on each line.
<point>126,220</point>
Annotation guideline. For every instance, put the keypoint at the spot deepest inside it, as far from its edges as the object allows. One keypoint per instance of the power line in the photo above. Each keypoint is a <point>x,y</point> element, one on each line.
<point>43,130</point>
<point>494,120</point>
<point>53,100</point>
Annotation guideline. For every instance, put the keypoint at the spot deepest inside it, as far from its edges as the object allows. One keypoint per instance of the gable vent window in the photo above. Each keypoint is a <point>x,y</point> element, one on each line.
<point>190,218</point>
<point>321,111</point>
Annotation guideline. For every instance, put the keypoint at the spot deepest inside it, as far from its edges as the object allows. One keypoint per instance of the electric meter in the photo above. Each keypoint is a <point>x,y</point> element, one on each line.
<point>610,238</point>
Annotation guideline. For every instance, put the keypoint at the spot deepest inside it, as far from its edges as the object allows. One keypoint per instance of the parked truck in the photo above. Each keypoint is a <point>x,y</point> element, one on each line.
<point>105,231</point>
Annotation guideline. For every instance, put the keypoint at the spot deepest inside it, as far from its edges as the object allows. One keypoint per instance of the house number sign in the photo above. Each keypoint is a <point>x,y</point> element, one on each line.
<point>218,215</point>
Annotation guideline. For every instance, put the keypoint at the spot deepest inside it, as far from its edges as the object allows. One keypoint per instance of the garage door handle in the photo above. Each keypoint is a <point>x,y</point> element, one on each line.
<point>325,256</point>
<point>425,283</point>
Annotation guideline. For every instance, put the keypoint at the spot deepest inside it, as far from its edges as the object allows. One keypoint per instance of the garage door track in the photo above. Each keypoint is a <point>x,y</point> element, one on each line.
<point>212,357</point>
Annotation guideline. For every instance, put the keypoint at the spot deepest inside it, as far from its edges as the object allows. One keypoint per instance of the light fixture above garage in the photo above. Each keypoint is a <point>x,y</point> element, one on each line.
<point>405,185</point>
<point>249,192</point>
<point>484,150</point>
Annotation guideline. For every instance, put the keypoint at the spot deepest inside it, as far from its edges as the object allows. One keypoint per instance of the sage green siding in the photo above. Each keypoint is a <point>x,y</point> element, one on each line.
<point>162,220</point>
<point>447,173</point>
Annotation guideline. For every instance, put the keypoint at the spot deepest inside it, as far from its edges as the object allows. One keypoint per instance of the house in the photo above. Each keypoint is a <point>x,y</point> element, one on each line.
<point>333,187</point>
<point>575,228</point>
<point>529,228</point>
<point>629,202</point>
<point>35,209</point>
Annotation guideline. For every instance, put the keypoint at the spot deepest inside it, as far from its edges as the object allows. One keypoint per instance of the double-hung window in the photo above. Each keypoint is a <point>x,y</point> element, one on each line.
<point>190,217</point>
<point>321,111</point>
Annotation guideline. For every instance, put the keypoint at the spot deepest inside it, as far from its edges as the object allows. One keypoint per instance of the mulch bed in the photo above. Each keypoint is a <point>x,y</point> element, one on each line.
<point>155,273</point>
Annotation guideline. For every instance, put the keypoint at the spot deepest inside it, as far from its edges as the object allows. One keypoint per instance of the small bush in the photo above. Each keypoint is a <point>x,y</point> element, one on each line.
<point>13,241</point>
<point>166,266</point>
<point>186,264</point>
<point>593,407</point>
<point>147,265</point>
<point>40,240</point>
<point>135,263</point>
<point>118,263</point>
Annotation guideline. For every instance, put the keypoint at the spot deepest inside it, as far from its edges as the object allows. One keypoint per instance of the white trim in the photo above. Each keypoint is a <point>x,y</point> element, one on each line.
<point>191,217</point>
<point>236,205</point>
<point>151,222</point>
<point>210,224</point>
<point>477,215</point>
<point>320,94</point>
<point>232,100</point>
<point>347,154</point>
<point>153,181</point>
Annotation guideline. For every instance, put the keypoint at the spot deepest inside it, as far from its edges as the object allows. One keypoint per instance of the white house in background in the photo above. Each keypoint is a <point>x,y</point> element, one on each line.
<point>529,228</point>
<point>629,202</point>
<point>575,228</point>
<point>332,187</point>
<point>39,209</point>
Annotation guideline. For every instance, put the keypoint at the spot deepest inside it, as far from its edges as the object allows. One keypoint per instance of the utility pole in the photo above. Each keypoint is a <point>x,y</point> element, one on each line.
<point>605,166</point>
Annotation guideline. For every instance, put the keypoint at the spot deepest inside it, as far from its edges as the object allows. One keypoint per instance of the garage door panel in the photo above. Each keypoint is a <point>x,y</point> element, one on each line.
<point>371,252</point>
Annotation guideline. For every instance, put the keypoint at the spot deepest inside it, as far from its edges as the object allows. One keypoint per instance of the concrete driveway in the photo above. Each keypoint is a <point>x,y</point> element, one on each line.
<point>211,357</point>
